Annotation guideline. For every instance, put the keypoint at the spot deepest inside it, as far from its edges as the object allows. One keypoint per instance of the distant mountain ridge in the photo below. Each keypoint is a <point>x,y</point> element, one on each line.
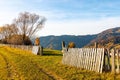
<point>108,38</point>
<point>55,42</point>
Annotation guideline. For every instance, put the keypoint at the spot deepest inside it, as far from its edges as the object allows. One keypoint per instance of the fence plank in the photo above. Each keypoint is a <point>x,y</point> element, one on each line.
<point>102,58</point>
<point>118,68</point>
<point>113,60</point>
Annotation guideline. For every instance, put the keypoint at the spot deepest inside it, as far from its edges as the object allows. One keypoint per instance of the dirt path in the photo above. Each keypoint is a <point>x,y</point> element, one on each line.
<point>31,64</point>
<point>7,66</point>
<point>11,69</point>
<point>50,74</point>
<point>21,66</point>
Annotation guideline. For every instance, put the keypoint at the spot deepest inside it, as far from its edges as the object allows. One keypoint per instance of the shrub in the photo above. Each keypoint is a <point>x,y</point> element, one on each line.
<point>37,41</point>
<point>71,45</point>
<point>18,40</point>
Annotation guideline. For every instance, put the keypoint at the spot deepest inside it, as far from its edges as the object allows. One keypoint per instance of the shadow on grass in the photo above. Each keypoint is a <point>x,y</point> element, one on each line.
<point>51,53</point>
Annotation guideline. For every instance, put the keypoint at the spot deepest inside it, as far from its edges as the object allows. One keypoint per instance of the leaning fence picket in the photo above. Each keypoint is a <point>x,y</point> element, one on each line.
<point>102,58</point>
<point>90,58</point>
<point>94,60</point>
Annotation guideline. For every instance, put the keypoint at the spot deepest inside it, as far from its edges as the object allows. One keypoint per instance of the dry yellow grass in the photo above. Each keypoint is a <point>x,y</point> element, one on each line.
<point>25,65</point>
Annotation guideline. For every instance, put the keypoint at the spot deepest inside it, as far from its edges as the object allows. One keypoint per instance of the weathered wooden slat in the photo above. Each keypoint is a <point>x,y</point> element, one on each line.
<point>118,68</point>
<point>113,60</point>
<point>102,58</point>
<point>87,62</point>
<point>90,58</point>
<point>81,58</point>
<point>94,60</point>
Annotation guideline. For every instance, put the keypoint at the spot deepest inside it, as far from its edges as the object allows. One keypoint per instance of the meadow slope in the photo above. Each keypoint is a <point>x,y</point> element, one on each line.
<point>19,64</point>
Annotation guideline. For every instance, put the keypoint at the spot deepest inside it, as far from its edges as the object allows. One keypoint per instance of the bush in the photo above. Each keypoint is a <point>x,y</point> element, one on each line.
<point>18,40</point>
<point>71,45</point>
<point>37,41</point>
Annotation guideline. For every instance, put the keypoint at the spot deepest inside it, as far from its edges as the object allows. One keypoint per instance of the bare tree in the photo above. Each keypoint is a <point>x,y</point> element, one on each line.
<point>1,36</point>
<point>29,24</point>
<point>4,31</point>
<point>8,30</point>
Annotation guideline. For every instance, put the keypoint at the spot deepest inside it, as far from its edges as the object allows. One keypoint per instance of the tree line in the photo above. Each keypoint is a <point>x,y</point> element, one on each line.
<point>22,29</point>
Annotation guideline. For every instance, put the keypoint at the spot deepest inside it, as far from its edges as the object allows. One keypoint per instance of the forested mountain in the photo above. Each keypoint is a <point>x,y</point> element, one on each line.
<point>108,38</point>
<point>54,42</point>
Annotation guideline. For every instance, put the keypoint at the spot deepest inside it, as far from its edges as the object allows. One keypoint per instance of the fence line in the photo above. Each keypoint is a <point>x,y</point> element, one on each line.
<point>37,50</point>
<point>94,59</point>
<point>23,47</point>
<point>87,58</point>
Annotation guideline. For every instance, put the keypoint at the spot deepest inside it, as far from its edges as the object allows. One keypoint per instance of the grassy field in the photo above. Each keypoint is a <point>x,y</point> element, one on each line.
<point>18,64</point>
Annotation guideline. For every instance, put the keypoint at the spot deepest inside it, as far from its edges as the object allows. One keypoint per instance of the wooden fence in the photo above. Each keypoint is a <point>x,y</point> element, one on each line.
<point>37,50</point>
<point>23,47</point>
<point>115,60</point>
<point>87,58</point>
<point>94,59</point>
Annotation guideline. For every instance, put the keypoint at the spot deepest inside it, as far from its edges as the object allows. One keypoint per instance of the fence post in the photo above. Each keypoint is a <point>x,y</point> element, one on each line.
<point>95,45</point>
<point>117,51</point>
<point>40,52</point>
<point>63,44</point>
<point>102,58</point>
<point>113,60</point>
<point>108,60</point>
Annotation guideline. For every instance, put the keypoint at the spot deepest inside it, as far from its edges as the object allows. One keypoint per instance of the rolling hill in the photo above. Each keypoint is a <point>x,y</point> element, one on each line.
<point>108,38</point>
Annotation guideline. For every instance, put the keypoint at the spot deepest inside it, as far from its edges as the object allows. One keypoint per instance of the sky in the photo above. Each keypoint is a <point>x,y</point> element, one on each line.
<point>66,17</point>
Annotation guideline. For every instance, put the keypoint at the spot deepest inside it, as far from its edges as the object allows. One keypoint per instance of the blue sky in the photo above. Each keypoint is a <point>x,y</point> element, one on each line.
<point>66,17</point>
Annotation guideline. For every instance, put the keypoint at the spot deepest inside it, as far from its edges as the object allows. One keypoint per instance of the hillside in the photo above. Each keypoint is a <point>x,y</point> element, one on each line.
<point>108,38</point>
<point>54,42</point>
<point>23,65</point>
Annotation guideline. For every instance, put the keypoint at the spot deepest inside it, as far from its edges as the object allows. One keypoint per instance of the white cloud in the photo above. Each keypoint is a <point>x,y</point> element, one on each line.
<point>79,27</point>
<point>7,17</point>
<point>9,2</point>
<point>60,21</point>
